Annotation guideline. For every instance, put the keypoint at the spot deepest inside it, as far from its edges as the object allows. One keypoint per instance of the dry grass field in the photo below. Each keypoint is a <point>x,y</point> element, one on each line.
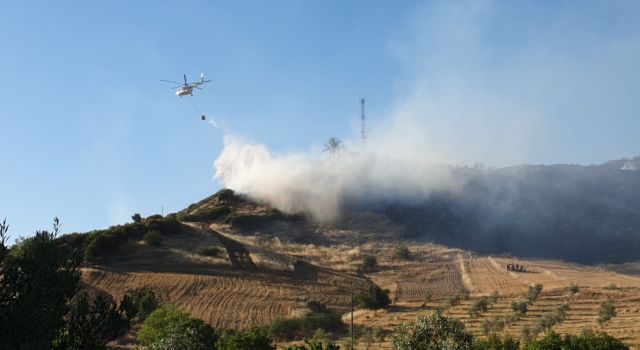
<point>263,275</point>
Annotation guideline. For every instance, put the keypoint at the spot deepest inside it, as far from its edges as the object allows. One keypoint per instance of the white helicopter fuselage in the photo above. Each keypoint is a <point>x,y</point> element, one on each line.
<point>185,90</point>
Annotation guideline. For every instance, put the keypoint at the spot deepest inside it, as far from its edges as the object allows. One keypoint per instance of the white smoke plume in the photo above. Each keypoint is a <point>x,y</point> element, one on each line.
<point>321,184</point>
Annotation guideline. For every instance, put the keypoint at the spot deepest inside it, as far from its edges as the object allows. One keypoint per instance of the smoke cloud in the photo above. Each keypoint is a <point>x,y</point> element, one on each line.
<point>490,83</point>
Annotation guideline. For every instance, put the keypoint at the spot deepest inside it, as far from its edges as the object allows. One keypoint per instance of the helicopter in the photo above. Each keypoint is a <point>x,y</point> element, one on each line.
<point>187,88</point>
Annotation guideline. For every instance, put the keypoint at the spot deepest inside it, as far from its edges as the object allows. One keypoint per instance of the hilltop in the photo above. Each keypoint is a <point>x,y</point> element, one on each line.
<point>236,263</point>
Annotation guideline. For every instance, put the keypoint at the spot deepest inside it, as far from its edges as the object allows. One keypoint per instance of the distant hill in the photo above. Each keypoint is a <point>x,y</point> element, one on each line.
<point>586,214</point>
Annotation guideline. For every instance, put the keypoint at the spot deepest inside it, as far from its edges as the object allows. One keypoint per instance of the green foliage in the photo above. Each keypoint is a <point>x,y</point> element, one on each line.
<point>254,339</point>
<point>192,334</point>
<point>552,318</point>
<point>319,318</point>
<point>207,214</point>
<point>101,244</point>
<point>495,342</point>
<point>479,306</point>
<point>435,332</point>
<point>168,328</point>
<point>136,218</point>
<point>152,238</point>
<point>138,303</point>
<point>519,308</point>
<point>533,293</point>
<point>574,288</point>
<point>246,222</point>
<point>39,278</point>
<point>453,300</point>
<point>91,324</point>
<point>403,253</point>
<point>285,329</point>
<point>494,297</point>
<point>369,262</point>
<point>606,312</point>
<point>373,298</point>
<point>612,286</point>
<point>211,250</point>
<point>589,341</point>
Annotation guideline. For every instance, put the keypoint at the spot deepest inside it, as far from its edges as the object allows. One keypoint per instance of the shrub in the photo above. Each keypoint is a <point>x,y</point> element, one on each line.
<point>91,324</point>
<point>552,318</point>
<point>494,297</point>
<point>167,328</point>
<point>432,333</point>
<point>479,306</point>
<point>136,217</point>
<point>533,293</point>
<point>612,286</point>
<point>519,308</point>
<point>403,253</point>
<point>285,329</point>
<point>152,238</point>
<point>102,243</point>
<point>211,250</point>
<point>453,300</point>
<point>553,340</point>
<point>606,312</point>
<point>254,339</point>
<point>495,342</point>
<point>207,214</point>
<point>373,298</point>
<point>369,262</point>
<point>166,226</point>
<point>138,303</point>
<point>574,288</point>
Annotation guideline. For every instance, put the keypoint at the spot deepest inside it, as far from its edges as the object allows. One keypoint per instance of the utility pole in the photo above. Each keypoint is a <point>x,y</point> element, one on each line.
<point>352,338</point>
<point>363,135</point>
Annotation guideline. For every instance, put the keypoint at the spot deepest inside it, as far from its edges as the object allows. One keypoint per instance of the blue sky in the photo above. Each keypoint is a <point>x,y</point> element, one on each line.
<point>90,134</point>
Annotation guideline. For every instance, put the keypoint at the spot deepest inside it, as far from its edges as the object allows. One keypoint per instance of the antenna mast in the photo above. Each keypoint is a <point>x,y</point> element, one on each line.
<point>363,135</point>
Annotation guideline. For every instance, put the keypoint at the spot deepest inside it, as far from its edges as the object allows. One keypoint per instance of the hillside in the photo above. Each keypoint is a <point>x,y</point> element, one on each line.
<point>268,264</point>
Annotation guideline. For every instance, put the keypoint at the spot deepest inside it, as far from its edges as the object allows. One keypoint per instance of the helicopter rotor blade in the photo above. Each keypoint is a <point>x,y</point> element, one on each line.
<point>170,81</point>
<point>185,79</point>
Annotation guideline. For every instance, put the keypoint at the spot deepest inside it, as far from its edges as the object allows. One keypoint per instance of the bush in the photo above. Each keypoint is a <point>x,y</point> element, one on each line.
<point>403,253</point>
<point>574,288</point>
<point>552,341</point>
<point>136,217</point>
<point>207,214</point>
<point>91,324</point>
<point>432,333</point>
<point>168,328</point>
<point>102,243</point>
<point>369,262</point>
<point>373,298</point>
<point>533,293</point>
<point>495,342</point>
<point>479,306</point>
<point>612,286</point>
<point>152,238</point>
<point>519,308</point>
<point>254,339</point>
<point>138,303</point>
<point>494,297</point>
<point>285,329</point>
<point>453,300</point>
<point>552,318</point>
<point>606,312</point>
<point>211,250</point>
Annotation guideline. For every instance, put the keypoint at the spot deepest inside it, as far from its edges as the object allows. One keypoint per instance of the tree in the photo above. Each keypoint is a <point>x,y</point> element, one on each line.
<point>369,262</point>
<point>254,339</point>
<point>168,328</point>
<point>136,217</point>
<point>91,324</point>
<point>553,341</point>
<point>495,342</point>
<point>435,332</point>
<point>39,278</point>
<point>333,145</point>
<point>153,238</point>
<point>403,253</point>
<point>606,312</point>
<point>373,298</point>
